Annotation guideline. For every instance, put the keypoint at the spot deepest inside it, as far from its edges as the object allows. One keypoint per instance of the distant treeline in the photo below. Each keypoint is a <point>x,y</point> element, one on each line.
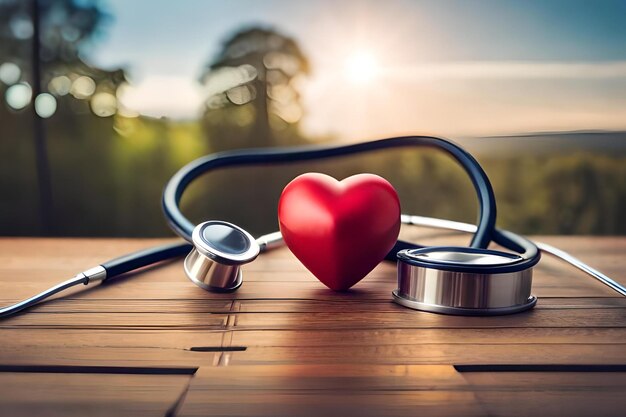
<point>108,175</point>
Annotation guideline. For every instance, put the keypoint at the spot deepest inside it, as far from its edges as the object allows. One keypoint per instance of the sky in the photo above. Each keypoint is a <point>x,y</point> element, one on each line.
<point>381,68</point>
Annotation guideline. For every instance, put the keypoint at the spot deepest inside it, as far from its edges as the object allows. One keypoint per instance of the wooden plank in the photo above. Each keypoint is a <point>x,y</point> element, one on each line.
<point>308,350</point>
<point>313,390</point>
<point>550,394</point>
<point>396,318</point>
<point>332,404</point>
<point>331,353</point>
<point>61,394</point>
<point>436,354</point>
<point>112,348</point>
<point>408,319</point>
<point>553,279</point>
<point>439,354</point>
<point>117,338</point>
<point>167,347</point>
<point>572,403</point>
<point>324,377</point>
<point>398,390</point>
<point>130,320</point>
<point>546,381</point>
<point>224,306</point>
<point>107,356</point>
<point>145,287</point>
<point>382,337</point>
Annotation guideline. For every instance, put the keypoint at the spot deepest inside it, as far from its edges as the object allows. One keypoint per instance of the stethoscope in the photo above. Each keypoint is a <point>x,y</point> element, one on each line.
<point>470,280</point>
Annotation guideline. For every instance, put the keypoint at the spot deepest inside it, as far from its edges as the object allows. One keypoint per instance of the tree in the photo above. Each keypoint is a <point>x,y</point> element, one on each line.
<point>40,41</point>
<point>252,93</point>
<point>66,28</point>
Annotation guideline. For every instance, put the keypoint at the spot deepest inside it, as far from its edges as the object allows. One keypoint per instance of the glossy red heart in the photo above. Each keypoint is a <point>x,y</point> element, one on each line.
<point>339,230</point>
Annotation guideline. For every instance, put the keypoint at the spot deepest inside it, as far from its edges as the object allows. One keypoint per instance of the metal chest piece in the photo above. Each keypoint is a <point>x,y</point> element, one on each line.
<point>463,281</point>
<point>220,248</point>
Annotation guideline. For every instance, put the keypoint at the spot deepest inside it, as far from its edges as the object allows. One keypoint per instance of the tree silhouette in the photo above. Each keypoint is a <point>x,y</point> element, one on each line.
<point>252,94</point>
<point>40,41</point>
<point>65,28</point>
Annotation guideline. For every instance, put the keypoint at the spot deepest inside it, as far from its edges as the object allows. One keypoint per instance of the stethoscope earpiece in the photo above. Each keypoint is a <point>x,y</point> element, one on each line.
<point>464,281</point>
<point>219,249</point>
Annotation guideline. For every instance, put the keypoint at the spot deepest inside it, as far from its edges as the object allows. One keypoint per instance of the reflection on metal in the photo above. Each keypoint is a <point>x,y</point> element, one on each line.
<point>211,275</point>
<point>220,248</point>
<point>544,247</point>
<point>92,275</point>
<point>463,293</point>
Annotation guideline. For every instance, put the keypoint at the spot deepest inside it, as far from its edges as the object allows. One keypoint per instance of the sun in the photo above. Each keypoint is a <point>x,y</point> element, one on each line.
<point>361,67</point>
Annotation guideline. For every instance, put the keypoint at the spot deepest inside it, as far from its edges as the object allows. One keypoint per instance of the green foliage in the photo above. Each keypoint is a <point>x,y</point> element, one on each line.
<point>65,26</point>
<point>577,193</point>
<point>108,172</point>
<point>67,30</point>
<point>253,98</point>
<point>108,175</point>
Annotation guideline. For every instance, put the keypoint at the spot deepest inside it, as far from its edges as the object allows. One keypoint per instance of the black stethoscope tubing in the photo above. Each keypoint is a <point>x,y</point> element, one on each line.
<point>485,232</point>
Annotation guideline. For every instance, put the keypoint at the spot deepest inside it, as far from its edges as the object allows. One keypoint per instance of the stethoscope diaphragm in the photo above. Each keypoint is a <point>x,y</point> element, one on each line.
<point>219,249</point>
<point>463,281</point>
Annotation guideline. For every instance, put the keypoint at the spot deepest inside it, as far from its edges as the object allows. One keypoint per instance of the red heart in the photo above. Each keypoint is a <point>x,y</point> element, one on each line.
<point>339,230</point>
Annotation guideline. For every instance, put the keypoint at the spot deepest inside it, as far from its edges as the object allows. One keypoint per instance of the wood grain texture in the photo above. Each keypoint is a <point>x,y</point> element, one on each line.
<point>285,345</point>
<point>60,394</point>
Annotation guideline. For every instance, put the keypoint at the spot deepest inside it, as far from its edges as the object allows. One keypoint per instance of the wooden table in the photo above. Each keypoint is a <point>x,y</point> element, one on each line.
<point>152,343</point>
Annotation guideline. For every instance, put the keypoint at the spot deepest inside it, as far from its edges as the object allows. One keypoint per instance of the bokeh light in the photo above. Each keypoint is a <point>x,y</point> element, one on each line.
<point>18,96</point>
<point>60,85</point>
<point>276,77</point>
<point>83,87</point>
<point>283,62</point>
<point>241,95</point>
<point>103,104</point>
<point>21,26</point>
<point>290,112</point>
<point>10,73</point>
<point>45,105</point>
<point>223,79</point>
<point>70,33</point>
<point>283,93</point>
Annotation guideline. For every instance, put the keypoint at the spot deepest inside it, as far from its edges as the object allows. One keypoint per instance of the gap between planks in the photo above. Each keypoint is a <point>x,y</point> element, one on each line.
<point>223,358</point>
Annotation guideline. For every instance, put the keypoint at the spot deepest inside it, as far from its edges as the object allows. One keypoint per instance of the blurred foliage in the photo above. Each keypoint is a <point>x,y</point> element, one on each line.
<point>253,98</point>
<point>64,26</point>
<point>574,193</point>
<point>109,182</point>
<point>108,172</point>
<point>67,28</point>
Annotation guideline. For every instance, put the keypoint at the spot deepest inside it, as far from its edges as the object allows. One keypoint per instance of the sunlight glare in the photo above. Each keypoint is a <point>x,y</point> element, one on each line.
<point>361,67</point>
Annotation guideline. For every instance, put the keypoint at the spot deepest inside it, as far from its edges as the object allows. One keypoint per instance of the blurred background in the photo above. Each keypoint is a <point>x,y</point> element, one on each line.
<point>103,100</point>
